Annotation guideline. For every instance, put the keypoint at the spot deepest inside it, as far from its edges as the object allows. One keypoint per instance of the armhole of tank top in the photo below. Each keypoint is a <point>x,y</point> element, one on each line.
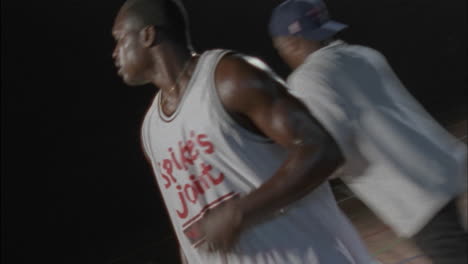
<point>224,116</point>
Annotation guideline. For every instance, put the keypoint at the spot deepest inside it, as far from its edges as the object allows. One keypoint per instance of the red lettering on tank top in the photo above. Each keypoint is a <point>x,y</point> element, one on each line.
<point>167,183</point>
<point>174,159</point>
<point>201,140</point>
<point>188,153</point>
<point>167,166</point>
<point>184,213</point>
<point>191,193</point>
<point>186,158</point>
<point>206,171</point>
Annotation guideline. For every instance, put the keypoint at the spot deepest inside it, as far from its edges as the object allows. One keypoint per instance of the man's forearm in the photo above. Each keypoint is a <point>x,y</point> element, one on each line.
<point>306,168</point>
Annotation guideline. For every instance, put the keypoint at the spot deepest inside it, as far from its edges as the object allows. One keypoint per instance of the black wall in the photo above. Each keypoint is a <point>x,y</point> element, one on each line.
<point>75,185</point>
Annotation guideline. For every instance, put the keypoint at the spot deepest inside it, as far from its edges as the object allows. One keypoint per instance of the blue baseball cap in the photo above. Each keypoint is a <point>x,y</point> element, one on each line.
<point>306,18</point>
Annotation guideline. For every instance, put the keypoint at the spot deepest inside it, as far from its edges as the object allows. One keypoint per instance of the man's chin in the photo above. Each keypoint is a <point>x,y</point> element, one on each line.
<point>133,82</point>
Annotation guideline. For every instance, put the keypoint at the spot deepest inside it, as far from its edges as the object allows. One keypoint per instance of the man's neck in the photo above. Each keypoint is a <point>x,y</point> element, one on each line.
<point>170,63</point>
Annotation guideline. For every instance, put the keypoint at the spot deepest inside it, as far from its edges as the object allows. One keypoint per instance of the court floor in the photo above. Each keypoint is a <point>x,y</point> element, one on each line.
<point>382,243</point>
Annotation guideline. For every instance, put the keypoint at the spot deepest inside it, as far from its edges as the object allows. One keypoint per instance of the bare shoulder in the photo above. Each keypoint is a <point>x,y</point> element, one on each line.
<point>240,83</point>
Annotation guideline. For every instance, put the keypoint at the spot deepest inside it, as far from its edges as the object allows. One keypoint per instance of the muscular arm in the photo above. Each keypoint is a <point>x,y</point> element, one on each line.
<point>250,94</point>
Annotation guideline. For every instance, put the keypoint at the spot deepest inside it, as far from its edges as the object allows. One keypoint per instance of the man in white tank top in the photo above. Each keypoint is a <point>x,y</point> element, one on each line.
<point>399,161</point>
<point>232,151</point>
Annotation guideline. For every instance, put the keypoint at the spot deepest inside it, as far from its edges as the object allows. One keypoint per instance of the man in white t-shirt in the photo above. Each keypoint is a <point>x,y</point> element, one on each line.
<point>399,161</point>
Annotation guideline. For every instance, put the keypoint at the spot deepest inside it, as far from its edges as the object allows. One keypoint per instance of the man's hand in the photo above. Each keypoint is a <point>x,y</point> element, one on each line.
<point>221,227</point>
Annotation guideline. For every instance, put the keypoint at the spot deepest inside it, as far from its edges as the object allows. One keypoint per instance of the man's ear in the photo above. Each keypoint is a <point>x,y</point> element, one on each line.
<point>148,36</point>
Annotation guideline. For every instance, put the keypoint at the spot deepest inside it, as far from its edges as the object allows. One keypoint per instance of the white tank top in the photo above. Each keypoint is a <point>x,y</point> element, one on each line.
<point>201,158</point>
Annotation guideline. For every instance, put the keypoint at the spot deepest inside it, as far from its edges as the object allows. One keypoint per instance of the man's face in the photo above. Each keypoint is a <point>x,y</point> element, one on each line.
<point>130,55</point>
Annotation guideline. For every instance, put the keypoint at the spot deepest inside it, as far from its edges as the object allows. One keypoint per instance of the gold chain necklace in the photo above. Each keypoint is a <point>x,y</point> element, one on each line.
<point>176,81</point>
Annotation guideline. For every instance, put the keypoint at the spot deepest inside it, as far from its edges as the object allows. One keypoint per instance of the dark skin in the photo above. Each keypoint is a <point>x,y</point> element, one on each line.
<point>257,102</point>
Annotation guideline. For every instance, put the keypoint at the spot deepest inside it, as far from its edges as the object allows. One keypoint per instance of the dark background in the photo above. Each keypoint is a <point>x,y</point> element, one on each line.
<point>75,185</point>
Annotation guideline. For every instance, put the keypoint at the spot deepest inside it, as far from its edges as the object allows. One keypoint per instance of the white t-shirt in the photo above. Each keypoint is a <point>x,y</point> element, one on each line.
<point>399,161</point>
<point>201,157</point>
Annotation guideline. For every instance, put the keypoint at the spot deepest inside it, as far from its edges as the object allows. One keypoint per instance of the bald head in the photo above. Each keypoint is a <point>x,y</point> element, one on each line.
<point>149,34</point>
<point>167,16</point>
